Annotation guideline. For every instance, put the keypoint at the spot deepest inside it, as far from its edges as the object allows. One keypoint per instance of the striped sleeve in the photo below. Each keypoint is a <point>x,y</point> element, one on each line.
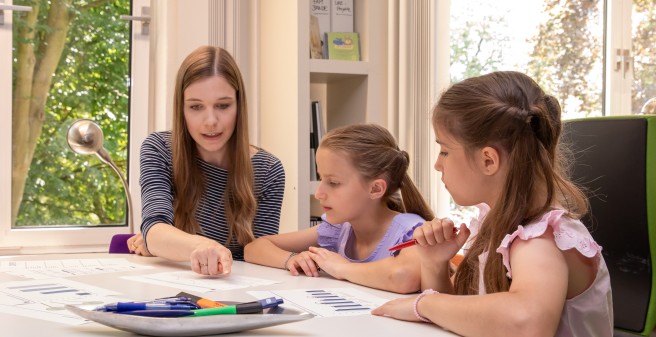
<point>156,181</point>
<point>270,176</point>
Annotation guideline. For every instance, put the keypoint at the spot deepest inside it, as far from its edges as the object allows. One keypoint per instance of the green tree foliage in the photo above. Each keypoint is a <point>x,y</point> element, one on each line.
<point>477,45</point>
<point>566,51</point>
<point>90,81</point>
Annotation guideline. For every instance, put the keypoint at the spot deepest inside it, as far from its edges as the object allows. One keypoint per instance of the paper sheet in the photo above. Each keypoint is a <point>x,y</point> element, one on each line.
<point>326,302</point>
<point>190,281</point>
<point>45,299</point>
<point>45,269</point>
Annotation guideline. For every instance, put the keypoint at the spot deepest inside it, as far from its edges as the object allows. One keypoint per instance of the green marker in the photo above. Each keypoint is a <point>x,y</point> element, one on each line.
<point>255,307</point>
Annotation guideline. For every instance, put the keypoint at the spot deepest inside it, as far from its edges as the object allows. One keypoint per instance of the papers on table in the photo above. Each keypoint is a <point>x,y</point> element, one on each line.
<point>326,302</point>
<point>190,281</point>
<point>45,269</point>
<point>45,299</point>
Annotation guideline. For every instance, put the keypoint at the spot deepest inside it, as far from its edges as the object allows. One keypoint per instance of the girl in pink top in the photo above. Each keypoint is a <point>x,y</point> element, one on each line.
<point>531,267</point>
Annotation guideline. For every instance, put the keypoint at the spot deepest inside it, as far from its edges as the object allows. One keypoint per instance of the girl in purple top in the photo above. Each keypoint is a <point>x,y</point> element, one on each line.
<point>531,268</point>
<point>362,172</point>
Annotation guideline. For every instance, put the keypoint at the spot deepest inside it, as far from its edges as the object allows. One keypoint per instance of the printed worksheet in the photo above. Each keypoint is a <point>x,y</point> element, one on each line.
<point>44,269</point>
<point>190,281</point>
<point>326,302</point>
<point>46,299</point>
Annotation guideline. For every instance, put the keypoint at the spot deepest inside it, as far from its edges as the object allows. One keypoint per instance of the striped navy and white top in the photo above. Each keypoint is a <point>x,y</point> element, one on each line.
<point>158,193</point>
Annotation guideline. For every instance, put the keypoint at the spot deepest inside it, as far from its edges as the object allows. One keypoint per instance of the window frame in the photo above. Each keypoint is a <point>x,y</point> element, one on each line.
<point>67,239</point>
<point>616,89</point>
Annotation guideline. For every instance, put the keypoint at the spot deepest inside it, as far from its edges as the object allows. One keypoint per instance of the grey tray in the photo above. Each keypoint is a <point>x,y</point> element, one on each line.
<point>192,326</point>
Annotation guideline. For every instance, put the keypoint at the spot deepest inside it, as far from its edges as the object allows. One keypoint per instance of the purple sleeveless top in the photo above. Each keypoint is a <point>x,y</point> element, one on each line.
<point>337,238</point>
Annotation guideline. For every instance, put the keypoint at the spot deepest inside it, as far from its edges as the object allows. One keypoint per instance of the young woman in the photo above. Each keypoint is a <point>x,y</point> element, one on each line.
<point>362,173</point>
<point>206,191</point>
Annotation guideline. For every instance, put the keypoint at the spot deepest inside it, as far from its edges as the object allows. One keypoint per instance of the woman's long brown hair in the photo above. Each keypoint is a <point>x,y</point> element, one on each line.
<point>511,113</point>
<point>239,198</point>
<point>373,151</point>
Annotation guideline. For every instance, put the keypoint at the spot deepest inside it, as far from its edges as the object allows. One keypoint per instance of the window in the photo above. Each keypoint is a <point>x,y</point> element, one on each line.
<point>585,53</point>
<point>68,62</point>
<point>565,47</point>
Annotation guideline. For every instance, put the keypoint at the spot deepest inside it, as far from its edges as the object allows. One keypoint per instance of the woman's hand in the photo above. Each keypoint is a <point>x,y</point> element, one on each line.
<point>439,240</point>
<point>328,261</point>
<point>137,245</point>
<point>211,258</point>
<point>400,308</point>
<point>302,262</point>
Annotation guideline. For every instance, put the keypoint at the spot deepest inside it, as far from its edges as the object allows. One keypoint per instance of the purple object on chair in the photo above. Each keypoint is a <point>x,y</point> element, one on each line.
<point>119,244</point>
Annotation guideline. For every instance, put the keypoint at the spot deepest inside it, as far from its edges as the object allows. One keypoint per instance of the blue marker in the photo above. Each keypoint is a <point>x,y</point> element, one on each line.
<point>131,306</point>
<point>158,313</point>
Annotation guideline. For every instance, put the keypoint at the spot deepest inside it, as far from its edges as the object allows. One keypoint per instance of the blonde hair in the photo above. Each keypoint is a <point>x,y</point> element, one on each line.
<point>373,151</point>
<point>510,112</point>
<point>189,182</point>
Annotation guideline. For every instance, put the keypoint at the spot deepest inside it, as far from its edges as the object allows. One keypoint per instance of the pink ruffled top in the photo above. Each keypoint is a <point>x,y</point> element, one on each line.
<point>589,313</point>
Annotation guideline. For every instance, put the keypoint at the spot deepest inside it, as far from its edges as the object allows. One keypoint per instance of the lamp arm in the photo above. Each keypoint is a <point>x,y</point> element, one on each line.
<point>105,157</point>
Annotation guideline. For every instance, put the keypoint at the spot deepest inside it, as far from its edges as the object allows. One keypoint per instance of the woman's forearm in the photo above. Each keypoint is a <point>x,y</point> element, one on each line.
<point>171,243</point>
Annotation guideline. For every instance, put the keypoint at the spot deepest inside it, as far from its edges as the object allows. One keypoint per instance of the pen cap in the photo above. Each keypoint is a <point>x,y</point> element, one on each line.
<point>270,302</point>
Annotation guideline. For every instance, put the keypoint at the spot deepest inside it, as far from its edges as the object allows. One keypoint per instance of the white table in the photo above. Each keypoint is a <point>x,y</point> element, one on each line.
<point>362,325</point>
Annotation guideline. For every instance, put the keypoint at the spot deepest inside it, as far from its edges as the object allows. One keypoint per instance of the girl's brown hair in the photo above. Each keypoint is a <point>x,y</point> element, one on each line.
<point>239,198</point>
<point>373,151</point>
<point>511,113</point>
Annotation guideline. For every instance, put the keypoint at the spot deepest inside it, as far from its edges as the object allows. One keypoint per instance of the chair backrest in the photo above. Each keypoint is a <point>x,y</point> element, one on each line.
<point>615,161</point>
<point>119,244</point>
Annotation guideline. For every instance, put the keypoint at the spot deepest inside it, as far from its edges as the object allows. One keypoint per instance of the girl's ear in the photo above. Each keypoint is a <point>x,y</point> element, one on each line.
<point>490,160</point>
<point>377,188</point>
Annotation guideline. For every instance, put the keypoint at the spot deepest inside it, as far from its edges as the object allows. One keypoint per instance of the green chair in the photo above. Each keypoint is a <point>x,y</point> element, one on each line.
<point>615,161</point>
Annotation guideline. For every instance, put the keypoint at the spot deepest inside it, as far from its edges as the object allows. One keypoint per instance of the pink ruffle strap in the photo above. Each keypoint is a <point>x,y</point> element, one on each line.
<point>568,233</point>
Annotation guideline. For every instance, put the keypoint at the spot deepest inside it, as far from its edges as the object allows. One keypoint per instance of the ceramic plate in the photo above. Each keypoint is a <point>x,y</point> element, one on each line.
<point>192,326</point>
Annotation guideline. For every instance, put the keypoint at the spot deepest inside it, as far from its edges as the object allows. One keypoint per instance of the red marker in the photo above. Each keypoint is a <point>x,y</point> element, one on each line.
<point>411,243</point>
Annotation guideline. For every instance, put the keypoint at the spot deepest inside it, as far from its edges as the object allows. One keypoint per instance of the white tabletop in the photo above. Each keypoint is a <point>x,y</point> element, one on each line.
<point>361,325</point>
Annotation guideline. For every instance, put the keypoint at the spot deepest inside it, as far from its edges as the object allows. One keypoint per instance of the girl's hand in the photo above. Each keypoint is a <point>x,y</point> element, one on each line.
<point>137,245</point>
<point>211,259</point>
<point>439,241</point>
<point>400,308</point>
<point>302,262</point>
<point>328,261</point>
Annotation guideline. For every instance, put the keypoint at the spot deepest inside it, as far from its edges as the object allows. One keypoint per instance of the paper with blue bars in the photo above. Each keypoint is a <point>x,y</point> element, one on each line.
<point>328,302</point>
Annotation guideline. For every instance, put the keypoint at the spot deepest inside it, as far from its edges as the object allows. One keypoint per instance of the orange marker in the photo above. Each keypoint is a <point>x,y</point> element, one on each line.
<point>202,302</point>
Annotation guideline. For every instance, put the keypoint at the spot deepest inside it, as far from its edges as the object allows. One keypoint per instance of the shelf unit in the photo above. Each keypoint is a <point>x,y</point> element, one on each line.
<point>348,91</point>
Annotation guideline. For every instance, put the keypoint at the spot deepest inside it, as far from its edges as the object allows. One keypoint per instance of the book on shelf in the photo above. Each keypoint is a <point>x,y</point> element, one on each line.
<point>343,46</point>
<point>315,220</point>
<point>341,16</point>
<point>314,176</point>
<point>317,131</point>
<point>320,9</point>
<point>316,45</point>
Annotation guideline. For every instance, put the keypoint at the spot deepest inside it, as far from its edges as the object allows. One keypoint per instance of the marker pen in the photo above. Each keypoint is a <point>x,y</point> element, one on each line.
<point>254,307</point>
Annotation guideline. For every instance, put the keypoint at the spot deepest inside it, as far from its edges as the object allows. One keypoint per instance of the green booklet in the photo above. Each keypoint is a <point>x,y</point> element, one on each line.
<point>343,46</point>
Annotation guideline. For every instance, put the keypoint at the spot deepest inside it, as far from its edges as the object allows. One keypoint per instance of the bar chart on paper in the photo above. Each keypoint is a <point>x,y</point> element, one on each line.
<point>47,299</point>
<point>327,302</point>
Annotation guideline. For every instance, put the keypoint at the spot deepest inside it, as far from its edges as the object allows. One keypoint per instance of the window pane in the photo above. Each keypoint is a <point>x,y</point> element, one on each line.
<point>70,61</point>
<point>644,50</point>
<point>558,43</point>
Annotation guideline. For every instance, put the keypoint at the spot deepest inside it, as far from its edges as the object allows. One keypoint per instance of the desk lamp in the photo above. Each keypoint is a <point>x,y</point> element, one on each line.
<point>85,137</point>
<point>649,108</point>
